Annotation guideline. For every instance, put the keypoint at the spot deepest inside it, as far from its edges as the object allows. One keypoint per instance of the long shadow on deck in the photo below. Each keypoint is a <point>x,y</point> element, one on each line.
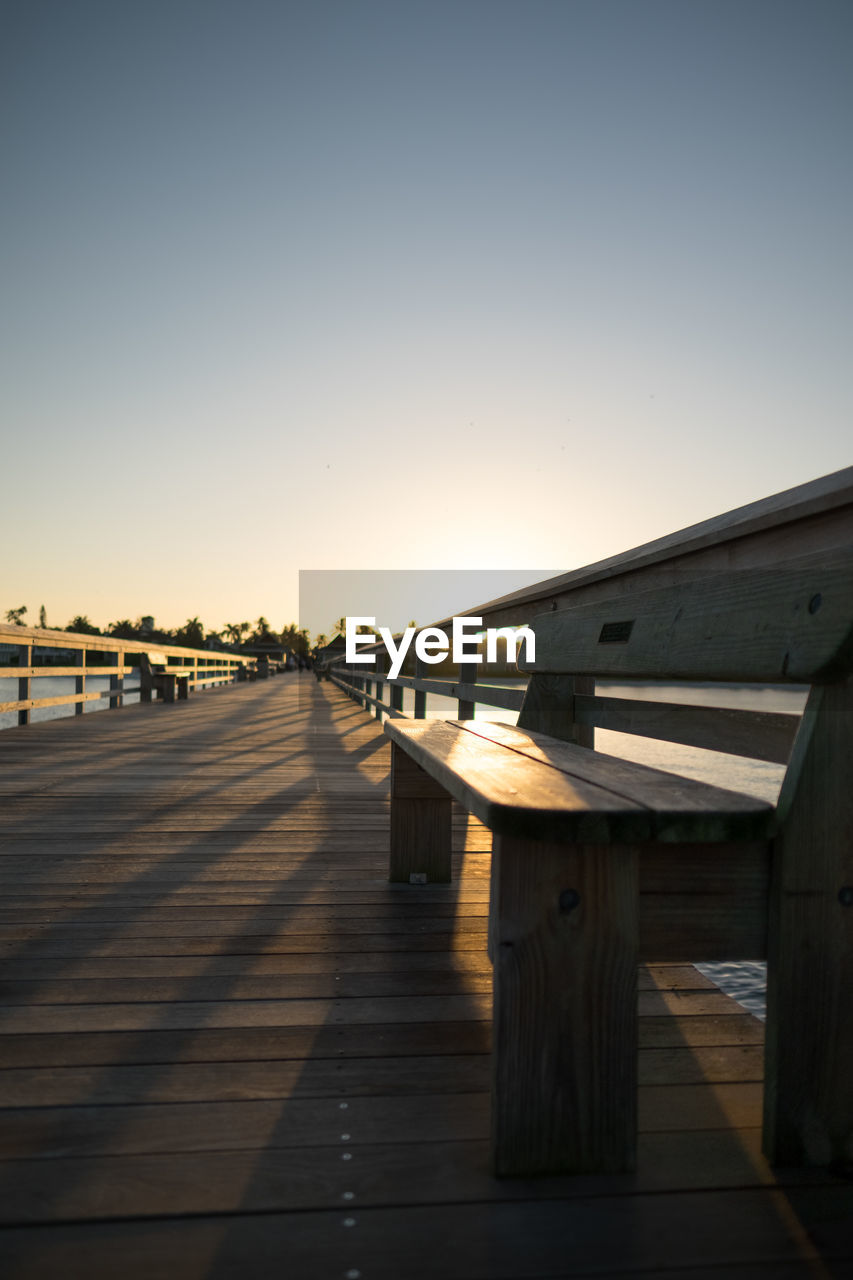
<point>329,1117</point>
<point>109,1111</point>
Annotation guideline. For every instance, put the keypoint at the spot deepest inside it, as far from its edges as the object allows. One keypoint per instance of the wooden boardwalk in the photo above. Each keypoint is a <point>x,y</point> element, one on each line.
<point>230,1049</point>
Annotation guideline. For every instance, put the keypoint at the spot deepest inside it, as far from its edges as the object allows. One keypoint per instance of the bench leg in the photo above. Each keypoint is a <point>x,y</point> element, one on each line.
<point>420,824</point>
<point>564,1075</point>
<point>167,685</point>
<point>183,688</point>
<point>808,1091</point>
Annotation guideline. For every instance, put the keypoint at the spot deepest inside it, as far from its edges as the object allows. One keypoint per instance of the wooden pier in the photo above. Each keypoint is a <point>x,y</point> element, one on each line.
<point>231,1049</point>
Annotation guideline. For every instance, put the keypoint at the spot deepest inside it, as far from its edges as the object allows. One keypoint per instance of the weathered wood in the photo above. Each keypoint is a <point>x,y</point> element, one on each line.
<point>215,671</point>
<point>421,669</point>
<point>95,669</point>
<point>549,707</point>
<point>27,704</point>
<point>388,1173</point>
<point>468,672</point>
<point>550,800</point>
<point>80,682</point>
<point>789,623</point>
<point>759,735</point>
<point>704,902</point>
<point>706,1233</point>
<point>128,1135</point>
<point>548,790</point>
<point>23,700</point>
<point>564,1023</point>
<point>310,1075</point>
<point>115,663</point>
<point>812,517</point>
<point>396,697</point>
<point>492,695</point>
<point>420,824</point>
<point>809,1101</point>
<point>47,1133</point>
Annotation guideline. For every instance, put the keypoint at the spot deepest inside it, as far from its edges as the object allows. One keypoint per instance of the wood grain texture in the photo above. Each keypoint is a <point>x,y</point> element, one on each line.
<point>809,1103</point>
<point>528,785</point>
<point>565,1054</point>
<point>550,706</point>
<point>787,623</point>
<point>420,824</point>
<point>813,517</point>
<point>224,861</point>
<point>758,735</point>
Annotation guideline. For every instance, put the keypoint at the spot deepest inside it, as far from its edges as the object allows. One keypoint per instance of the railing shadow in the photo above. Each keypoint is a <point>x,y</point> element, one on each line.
<point>341,1062</point>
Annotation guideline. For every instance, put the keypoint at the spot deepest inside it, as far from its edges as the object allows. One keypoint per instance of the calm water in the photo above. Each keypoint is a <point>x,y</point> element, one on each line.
<point>744,981</point>
<point>55,687</point>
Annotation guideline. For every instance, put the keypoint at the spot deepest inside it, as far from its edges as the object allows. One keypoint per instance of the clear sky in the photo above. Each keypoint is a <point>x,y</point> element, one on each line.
<point>408,284</point>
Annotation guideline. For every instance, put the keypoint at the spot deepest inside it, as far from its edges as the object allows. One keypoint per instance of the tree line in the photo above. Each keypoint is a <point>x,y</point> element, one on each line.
<point>193,634</point>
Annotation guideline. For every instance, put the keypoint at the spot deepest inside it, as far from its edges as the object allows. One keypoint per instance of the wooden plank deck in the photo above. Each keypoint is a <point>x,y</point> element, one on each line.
<point>230,1049</point>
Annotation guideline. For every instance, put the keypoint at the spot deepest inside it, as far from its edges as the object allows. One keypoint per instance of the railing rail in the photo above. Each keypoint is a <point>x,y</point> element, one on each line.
<point>814,517</point>
<point>98,656</point>
<point>366,687</point>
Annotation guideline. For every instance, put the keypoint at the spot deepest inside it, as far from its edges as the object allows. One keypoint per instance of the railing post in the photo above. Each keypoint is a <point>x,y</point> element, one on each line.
<point>397,697</point>
<point>420,695</point>
<point>380,685</point>
<point>116,681</point>
<point>467,675</point>
<point>80,681</point>
<point>25,658</point>
<point>146,679</point>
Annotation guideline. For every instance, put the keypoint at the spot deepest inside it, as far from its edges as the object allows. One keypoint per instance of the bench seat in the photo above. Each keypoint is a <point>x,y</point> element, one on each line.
<point>523,783</point>
<point>172,683</point>
<point>599,863</point>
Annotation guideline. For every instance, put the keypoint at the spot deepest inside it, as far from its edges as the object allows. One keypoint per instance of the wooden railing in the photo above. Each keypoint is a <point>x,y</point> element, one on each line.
<point>97,656</point>
<point>813,517</point>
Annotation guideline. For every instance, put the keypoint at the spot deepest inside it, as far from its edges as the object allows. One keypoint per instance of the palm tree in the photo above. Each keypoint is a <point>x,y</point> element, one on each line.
<point>235,631</point>
<point>124,630</point>
<point>83,626</point>
<point>191,633</point>
<point>296,639</point>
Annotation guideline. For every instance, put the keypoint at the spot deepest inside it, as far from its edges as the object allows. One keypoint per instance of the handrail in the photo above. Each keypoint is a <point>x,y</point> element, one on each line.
<point>206,666</point>
<point>812,517</point>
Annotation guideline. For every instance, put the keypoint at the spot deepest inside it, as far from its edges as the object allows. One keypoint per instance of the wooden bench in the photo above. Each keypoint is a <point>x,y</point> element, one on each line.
<point>156,676</point>
<point>599,864</point>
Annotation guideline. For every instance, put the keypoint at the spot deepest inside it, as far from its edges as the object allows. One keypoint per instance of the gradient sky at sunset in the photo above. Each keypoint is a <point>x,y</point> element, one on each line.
<point>392,284</point>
